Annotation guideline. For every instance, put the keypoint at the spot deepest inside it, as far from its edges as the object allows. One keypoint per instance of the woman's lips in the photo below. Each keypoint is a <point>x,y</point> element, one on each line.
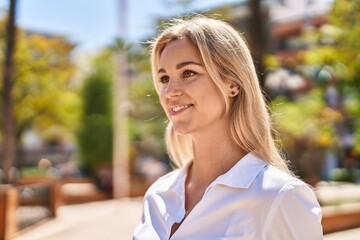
<point>174,110</point>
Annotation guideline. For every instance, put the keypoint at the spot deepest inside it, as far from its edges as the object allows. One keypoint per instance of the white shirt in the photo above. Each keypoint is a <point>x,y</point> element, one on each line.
<point>253,200</point>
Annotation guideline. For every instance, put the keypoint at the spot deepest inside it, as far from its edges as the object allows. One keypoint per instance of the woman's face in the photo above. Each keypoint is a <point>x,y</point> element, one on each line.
<point>190,98</point>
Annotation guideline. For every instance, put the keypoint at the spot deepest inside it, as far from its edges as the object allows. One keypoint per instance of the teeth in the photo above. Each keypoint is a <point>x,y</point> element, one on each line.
<point>178,108</point>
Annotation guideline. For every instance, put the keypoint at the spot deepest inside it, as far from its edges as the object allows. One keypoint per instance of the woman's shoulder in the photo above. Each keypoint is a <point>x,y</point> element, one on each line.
<point>266,175</point>
<point>276,180</point>
<point>292,208</point>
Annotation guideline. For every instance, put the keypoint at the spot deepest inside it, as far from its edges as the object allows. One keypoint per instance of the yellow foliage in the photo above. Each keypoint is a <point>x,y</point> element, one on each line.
<point>43,92</point>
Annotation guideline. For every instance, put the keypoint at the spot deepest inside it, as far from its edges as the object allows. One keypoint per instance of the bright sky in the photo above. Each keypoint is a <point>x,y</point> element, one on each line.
<point>95,23</point>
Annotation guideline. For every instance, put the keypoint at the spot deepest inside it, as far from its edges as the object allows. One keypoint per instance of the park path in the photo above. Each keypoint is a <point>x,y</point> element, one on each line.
<point>111,219</point>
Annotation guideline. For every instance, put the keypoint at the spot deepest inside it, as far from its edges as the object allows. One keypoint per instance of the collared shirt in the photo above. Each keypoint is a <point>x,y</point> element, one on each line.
<point>253,200</point>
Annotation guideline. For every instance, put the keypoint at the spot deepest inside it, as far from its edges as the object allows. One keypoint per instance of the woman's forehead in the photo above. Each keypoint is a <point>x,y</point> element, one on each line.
<point>179,50</point>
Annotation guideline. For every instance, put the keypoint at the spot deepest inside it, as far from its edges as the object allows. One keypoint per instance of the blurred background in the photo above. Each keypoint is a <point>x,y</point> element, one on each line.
<point>81,122</point>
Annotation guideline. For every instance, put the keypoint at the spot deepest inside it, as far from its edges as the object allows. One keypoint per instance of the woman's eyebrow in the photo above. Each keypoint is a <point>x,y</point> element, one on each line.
<point>181,65</point>
<point>161,70</point>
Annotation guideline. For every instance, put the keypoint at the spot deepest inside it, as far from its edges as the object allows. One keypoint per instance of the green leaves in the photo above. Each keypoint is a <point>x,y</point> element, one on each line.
<point>44,92</point>
<point>95,135</point>
<point>307,119</point>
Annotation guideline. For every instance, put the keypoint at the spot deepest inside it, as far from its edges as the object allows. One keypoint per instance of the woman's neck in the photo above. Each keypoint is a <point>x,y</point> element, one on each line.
<point>214,155</point>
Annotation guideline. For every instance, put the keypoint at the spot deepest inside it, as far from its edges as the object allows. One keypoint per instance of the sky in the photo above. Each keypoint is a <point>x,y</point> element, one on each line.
<point>93,24</point>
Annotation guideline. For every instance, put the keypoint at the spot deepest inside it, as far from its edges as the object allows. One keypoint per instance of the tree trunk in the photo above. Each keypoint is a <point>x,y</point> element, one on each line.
<point>8,146</point>
<point>258,37</point>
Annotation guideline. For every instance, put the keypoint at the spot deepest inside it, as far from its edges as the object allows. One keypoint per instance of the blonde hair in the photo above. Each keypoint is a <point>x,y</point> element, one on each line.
<point>226,56</point>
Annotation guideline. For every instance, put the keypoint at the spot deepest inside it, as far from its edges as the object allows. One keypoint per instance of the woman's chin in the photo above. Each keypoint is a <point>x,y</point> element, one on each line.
<point>181,130</point>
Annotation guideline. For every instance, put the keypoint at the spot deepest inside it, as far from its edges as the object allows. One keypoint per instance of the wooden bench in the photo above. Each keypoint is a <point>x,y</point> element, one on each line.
<point>18,203</point>
<point>341,217</point>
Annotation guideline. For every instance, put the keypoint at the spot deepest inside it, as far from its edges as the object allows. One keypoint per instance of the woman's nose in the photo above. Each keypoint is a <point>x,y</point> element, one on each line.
<point>172,89</point>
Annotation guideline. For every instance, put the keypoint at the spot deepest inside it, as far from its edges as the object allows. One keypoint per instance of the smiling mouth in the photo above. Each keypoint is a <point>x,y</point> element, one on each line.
<point>176,109</point>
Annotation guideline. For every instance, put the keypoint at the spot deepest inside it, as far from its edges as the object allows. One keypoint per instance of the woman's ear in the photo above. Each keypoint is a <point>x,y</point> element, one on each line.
<point>232,88</point>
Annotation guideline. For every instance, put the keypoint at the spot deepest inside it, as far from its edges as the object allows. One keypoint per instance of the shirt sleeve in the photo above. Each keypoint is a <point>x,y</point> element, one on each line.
<point>294,214</point>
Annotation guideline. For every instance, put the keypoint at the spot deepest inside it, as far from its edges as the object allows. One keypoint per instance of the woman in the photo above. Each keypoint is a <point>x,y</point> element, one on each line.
<point>232,182</point>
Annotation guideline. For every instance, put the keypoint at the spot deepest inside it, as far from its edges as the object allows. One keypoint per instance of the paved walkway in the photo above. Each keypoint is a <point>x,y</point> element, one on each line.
<point>106,220</point>
<point>110,220</point>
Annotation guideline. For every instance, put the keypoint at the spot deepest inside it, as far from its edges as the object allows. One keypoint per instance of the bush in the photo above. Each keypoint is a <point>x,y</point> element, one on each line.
<point>95,136</point>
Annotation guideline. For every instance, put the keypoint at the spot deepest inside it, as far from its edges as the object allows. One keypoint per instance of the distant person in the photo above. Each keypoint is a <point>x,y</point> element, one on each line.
<point>232,182</point>
<point>332,97</point>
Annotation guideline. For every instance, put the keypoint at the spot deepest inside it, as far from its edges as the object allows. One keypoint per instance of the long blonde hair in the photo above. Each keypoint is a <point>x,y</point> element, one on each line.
<point>226,56</point>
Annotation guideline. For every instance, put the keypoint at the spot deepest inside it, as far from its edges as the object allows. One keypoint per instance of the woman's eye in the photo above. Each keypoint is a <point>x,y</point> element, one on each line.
<point>188,73</point>
<point>164,79</point>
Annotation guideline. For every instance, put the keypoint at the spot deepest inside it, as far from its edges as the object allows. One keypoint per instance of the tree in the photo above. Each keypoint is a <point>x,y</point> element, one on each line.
<point>258,36</point>
<point>310,126</point>
<point>8,146</point>
<point>95,136</point>
<point>306,128</point>
<point>337,46</point>
<point>44,74</point>
<point>43,91</point>
<point>139,117</point>
<point>345,16</point>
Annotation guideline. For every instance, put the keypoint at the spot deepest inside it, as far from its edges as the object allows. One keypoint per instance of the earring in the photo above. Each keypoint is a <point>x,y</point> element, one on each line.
<point>232,86</point>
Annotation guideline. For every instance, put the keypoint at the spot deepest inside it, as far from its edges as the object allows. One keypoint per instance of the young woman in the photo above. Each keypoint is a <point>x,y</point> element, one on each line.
<point>232,182</point>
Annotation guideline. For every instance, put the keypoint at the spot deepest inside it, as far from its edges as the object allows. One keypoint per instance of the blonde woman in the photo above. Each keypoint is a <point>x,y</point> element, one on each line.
<point>232,183</point>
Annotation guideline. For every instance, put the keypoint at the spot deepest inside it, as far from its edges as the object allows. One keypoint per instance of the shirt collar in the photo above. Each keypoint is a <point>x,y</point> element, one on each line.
<point>241,175</point>
<point>178,185</point>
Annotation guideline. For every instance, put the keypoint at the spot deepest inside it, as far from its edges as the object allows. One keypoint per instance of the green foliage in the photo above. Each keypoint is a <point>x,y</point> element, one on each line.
<point>95,136</point>
<point>307,129</point>
<point>271,61</point>
<point>44,93</point>
<point>307,120</point>
<point>146,118</point>
<point>344,175</point>
<point>32,171</point>
<point>340,49</point>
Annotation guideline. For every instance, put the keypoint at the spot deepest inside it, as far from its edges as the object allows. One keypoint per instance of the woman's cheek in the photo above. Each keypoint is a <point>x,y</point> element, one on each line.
<point>163,104</point>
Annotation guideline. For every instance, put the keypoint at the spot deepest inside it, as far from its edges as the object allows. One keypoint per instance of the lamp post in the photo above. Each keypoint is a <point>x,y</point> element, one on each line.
<point>121,169</point>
